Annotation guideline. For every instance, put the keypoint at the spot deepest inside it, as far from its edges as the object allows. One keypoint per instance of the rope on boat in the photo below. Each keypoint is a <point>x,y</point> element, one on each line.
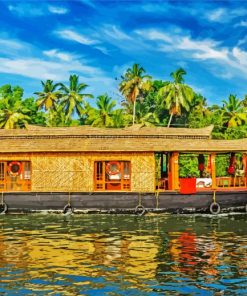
<point>139,199</point>
<point>3,206</point>
<point>139,209</point>
<point>69,199</point>
<point>157,198</point>
<point>68,208</point>
<point>214,207</point>
<point>214,197</point>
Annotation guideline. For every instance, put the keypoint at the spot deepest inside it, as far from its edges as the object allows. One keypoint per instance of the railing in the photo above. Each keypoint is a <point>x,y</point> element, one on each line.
<point>206,183</point>
<point>230,182</point>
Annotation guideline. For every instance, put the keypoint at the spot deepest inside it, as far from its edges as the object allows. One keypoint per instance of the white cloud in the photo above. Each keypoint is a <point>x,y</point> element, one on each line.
<point>42,69</point>
<point>154,35</point>
<point>199,49</point>
<point>216,15</point>
<point>103,50</point>
<point>224,15</point>
<point>113,32</point>
<point>55,53</point>
<point>76,37</point>
<point>11,44</point>
<point>88,3</point>
<point>58,9</point>
<point>27,9</point>
<point>240,56</point>
<point>241,24</point>
<point>242,41</point>
<point>206,49</point>
<point>232,62</point>
<point>13,47</point>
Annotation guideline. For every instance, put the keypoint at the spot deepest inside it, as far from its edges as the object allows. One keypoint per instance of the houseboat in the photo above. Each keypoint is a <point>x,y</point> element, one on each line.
<point>131,170</point>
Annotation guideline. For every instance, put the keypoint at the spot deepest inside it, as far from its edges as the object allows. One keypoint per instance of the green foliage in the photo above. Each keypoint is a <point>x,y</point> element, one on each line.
<point>72,98</point>
<point>13,113</point>
<point>222,163</point>
<point>176,95</point>
<point>134,85</point>
<point>146,102</point>
<point>188,165</point>
<point>102,116</point>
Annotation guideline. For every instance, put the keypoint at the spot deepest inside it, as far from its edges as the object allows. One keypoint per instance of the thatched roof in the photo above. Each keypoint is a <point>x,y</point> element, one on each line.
<point>88,139</point>
<point>88,131</point>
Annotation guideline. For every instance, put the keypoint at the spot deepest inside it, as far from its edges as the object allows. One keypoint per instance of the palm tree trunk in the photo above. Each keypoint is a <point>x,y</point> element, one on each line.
<point>170,119</point>
<point>134,112</point>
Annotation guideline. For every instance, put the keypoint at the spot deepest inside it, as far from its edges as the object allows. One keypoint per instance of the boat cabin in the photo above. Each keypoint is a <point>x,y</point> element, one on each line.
<point>133,159</point>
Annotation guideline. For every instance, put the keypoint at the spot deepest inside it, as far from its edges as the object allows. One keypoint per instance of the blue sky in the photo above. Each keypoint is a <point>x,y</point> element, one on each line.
<point>99,40</point>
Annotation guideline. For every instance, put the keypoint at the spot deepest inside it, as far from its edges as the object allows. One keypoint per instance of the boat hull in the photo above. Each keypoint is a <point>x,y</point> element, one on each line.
<point>115,202</point>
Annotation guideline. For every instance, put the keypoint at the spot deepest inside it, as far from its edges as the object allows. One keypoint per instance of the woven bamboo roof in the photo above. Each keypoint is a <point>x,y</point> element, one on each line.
<point>136,138</point>
<point>88,131</point>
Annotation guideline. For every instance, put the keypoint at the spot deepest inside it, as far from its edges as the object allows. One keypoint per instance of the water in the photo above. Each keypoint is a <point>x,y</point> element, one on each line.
<point>123,255</point>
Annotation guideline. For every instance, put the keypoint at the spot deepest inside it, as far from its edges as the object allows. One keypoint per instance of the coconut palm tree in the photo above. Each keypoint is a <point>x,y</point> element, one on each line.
<point>13,116</point>
<point>72,97</point>
<point>103,115</point>
<point>176,95</point>
<point>233,112</point>
<point>49,96</point>
<point>133,85</point>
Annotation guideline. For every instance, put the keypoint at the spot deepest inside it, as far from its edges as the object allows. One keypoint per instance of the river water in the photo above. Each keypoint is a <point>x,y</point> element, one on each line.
<point>52,254</point>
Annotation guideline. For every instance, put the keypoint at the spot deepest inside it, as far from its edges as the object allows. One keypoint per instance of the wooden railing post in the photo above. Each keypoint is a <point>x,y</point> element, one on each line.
<point>175,171</point>
<point>213,171</point>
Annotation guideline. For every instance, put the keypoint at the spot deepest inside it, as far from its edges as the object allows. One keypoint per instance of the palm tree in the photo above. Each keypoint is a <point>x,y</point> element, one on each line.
<point>72,96</point>
<point>48,97</point>
<point>134,83</point>
<point>13,116</point>
<point>176,94</point>
<point>103,115</point>
<point>233,112</point>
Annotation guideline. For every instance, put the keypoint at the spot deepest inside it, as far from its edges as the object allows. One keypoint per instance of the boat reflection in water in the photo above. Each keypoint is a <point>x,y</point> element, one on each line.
<point>122,255</point>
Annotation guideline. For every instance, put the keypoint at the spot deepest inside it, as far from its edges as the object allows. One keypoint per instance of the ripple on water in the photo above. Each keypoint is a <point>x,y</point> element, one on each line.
<point>123,255</point>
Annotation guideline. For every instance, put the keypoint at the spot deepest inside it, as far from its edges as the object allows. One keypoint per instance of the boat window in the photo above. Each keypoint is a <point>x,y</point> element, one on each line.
<point>112,175</point>
<point>15,175</point>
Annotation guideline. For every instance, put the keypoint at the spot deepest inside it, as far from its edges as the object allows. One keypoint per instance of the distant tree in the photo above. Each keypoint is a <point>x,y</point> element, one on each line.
<point>119,118</point>
<point>13,114</point>
<point>154,103</point>
<point>133,85</point>
<point>49,96</point>
<point>37,116</point>
<point>199,115</point>
<point>102,116</point>
<point>72,97</point>
<point>176,95</point>
<point>233,112</point>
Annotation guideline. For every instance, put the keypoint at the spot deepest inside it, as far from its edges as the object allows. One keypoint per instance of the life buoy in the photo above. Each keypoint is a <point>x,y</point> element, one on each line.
<point>214,208</point>
<point>68,209</point>
<point>3,208</point>
<point>113,168</point>
<point>140,210</point>
<point>14,168</point>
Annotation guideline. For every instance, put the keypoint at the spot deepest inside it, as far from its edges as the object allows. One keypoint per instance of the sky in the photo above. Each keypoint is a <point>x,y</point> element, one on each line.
<point>99,40</point>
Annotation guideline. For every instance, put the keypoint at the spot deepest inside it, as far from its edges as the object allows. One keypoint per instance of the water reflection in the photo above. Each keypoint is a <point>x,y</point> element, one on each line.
<point>123,255</point>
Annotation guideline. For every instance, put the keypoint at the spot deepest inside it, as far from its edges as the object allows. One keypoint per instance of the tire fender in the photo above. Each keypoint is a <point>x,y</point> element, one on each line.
<point>214,208</point>
<point>68,209</point>
<point>3,208</point>
<point>140,210</point>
